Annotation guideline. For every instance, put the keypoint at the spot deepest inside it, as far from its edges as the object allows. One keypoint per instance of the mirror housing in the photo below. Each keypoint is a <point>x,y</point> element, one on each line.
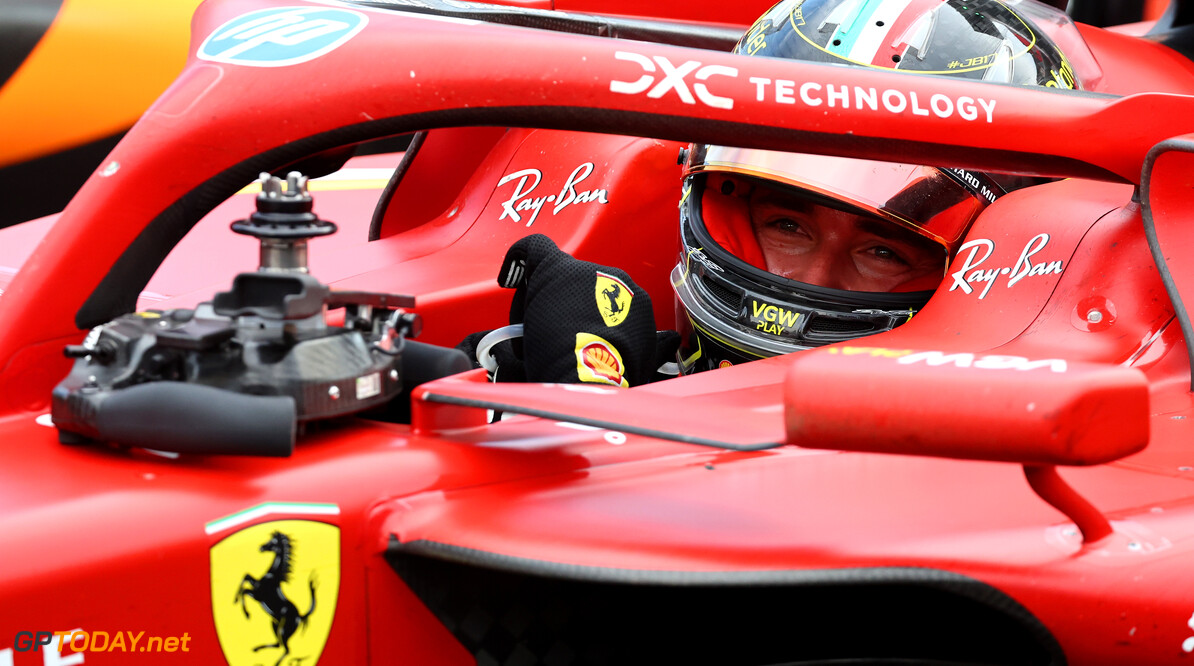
<point>965,406</point>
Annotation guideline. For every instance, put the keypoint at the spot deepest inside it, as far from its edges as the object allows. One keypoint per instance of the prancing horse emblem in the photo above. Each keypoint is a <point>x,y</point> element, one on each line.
<point>267,590</point>
<point>275,585</point>
<point>613,299</point>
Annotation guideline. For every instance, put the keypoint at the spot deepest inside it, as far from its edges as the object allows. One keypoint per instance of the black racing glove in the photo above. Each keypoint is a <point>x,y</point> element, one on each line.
<point>582,322</point>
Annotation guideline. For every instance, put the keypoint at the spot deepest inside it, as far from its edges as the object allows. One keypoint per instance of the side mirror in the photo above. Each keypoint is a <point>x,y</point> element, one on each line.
<point>1039,413</point>
<point>965,406</point>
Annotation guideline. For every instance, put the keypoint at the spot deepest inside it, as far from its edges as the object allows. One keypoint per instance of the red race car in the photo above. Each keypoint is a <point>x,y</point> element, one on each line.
<point>258,445</point>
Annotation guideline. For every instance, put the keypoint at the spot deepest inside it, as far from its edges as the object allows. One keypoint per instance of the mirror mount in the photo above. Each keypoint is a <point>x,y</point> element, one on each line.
<point>1049,486</point>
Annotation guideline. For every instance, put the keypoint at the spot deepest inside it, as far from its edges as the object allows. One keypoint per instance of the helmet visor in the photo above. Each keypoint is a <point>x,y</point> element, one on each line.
<point>937,203</point>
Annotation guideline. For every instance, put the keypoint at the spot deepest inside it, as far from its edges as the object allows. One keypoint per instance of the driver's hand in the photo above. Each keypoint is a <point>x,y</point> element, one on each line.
<point>582,322</point>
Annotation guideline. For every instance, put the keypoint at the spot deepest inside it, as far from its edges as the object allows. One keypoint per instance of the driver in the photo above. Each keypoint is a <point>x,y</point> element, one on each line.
<point>786,251</point>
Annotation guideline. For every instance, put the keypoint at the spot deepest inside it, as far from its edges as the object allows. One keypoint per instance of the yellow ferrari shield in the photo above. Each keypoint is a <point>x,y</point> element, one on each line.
<point>274,587</point>
<point>613,299</point>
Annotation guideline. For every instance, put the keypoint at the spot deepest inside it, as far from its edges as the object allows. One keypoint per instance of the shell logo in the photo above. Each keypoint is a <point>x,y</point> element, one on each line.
<point>601,361</point>
<point>597,361</point>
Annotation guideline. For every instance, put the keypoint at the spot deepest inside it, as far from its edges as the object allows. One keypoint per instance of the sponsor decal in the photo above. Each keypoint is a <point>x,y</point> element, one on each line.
<point>368,386</point>
<point>525,181</point>
<point>724,364</point>
<point>597,361</point>
<point>974,182</point>
<point>281,36</point>
<point>957,359</point>
<point>981,249</point>
<point>877,352</point>
<point>983,362</point>
<point>699,254</point>
<point>674,78</point>
<point>1064,78</point>
<point>755,39</point>
<point>275,583</point>
<point>891,100</point>
<point>771,318</point>
<point>613,299</point>
<point>691,79</point>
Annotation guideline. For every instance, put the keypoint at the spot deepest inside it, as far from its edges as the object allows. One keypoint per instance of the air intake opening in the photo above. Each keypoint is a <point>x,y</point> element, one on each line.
<point>527,612</point>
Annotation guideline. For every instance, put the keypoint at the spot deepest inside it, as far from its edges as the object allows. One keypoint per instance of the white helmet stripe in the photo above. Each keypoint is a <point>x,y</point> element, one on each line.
<point>870,36</point>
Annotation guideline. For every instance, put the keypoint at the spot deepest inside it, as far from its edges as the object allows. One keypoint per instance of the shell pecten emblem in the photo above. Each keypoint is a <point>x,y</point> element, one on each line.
<point>274,587</point>
<point>598,362</point>
<point>613,299</point>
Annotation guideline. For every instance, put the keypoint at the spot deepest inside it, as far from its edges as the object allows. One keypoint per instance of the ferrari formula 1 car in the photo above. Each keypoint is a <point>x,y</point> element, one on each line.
<point>260,447</point>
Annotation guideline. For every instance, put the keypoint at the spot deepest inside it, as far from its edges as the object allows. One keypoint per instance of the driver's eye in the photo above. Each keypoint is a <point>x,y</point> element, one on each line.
<point>787,224</point>
<point>887,254</point>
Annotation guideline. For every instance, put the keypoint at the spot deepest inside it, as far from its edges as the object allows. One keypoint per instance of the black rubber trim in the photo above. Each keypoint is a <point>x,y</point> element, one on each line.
<point>659,31</point>
<point>387,195</point>
<point>117,292</point>
<point>1154,243</point>
<point>44,185</point>
<point>22,25</point>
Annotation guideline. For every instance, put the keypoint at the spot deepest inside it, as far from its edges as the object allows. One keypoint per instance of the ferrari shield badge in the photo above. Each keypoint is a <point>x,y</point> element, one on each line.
<point>275,579</point>
<point>613,299</point>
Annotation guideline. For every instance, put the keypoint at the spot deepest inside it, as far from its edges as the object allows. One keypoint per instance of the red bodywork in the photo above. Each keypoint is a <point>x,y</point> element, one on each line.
<point>910,501</point>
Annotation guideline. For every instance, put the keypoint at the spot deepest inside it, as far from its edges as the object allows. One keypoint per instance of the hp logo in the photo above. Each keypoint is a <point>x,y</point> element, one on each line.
<point>281,36</point>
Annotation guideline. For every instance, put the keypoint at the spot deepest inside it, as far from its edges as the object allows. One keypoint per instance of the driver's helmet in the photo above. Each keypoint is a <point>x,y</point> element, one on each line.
<point>736,300</point>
